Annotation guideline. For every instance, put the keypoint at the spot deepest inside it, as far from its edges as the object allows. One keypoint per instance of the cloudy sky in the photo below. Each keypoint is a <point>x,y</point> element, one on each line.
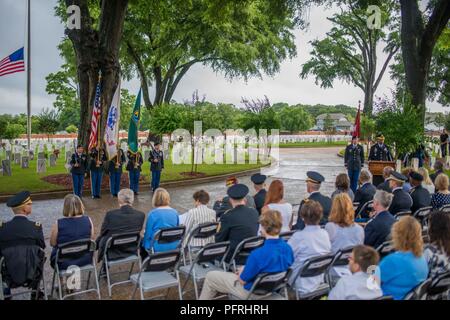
<point>286,86</point>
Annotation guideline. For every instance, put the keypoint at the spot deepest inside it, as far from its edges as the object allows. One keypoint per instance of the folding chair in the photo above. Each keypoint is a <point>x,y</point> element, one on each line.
<point>400,214</point>
<point>423,214</point>
<point>355,205</point>
<point>385,298</point>
<point>202,231</point>
<point>127,246</point>
<point>287,235</point>
<point>267,286</point>
<point>368,206</point>
<point>243,250</point>
<point>340,259</point>
<point>39,277</point>
<point>159,271</point>
<point>439,286</point>
<point>445,208</point>
<point>419,292</point>
<point>385,248</point>
<point>313,267</point>
<point>70,251</point>
<point>168,235</point>
<point>204,263</point>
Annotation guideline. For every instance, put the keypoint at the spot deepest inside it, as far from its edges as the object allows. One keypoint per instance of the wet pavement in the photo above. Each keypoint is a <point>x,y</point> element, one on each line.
<point>291,169</point>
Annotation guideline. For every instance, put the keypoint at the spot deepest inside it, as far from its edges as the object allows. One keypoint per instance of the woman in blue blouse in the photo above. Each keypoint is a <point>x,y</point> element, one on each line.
<point>406,268</point>
<point>442,195</point>
<point>161,216</point>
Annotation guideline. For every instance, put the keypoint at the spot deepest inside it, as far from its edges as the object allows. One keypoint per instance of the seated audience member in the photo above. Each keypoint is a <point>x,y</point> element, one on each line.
<point>437,252</point>
<point>123,220</point>
<point>386,174</point>
<point>419,195</point>
<point>367,190</point>
<point>160,217</point>
<point>427,183</point>
<point>342,229</point>
<point>378,228</point>
<point>198,215</point>
<point>407,185</point>
<point>342,185</point>
<point>406,268</point>
<point>274,256</point>
<point>313,183</point>
<point>402,200</point>
<point>275,201</point>
<point>260,188</point>
<point>239,223</point>
<point>74,226</point>
<point>438,169</point>
<point>355,286</point>
<point>223,204</point>
<point>310,242</point>
<point>442,195</point>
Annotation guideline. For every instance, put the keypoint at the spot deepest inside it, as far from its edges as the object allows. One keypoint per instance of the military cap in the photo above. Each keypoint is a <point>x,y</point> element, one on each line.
<point>380,137</point>
<point>314,177</point>
<point>397,176</point>
<point>416,176</point>
<point>19,200</point>
<point>237,191</point>
<point>258,178</point>
<point>231,181</point>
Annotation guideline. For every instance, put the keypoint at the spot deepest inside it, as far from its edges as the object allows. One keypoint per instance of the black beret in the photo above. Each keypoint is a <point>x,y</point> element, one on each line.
<point>315,177</point>
<point>19,199</point>
<point>416,176</point>
<point>238,191</point>
<point>258,178</point>
<point>397,176</point>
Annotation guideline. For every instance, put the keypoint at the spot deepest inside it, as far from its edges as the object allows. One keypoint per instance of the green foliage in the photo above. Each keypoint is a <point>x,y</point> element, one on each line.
<point>48,121</point>
<point>127,101</point>
<point>71,129</point>
<point>166,118</point>
<point>13,131</point>
<point>294,119</point>
<point>367,127</point>
<point>328,124</point>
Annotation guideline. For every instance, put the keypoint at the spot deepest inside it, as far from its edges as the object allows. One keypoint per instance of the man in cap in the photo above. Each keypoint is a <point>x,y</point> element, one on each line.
<point>354,161</point>
<point>313,183</point>
<point>223,205</point>
<point>239,223</point>
<point>260,196</point>
<point>20,240</point>
<point>79,163</point>
<point>379,151</point>
<point>402,200</point>
<point>420,196</point>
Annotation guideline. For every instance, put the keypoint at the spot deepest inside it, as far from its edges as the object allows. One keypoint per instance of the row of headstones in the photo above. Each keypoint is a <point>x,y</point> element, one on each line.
<point>24,162</point>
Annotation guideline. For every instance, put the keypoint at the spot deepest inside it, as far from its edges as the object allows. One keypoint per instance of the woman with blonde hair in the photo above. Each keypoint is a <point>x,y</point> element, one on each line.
<point>73,226</point>
<point>427,183</point>
<point>161,216</point>
<point>406,268</point>
<point>441,196</point>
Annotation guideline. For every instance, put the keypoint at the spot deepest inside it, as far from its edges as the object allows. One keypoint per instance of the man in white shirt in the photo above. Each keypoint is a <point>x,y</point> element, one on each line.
<point>360,285</point>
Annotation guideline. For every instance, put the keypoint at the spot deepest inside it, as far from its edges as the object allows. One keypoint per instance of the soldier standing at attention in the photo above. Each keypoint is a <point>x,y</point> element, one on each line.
<point>115,172</point>
<point>96,168</point>
<point>79,163</point>
<point>134,167</point>
<point>156,165</point>
<point>354,162</point>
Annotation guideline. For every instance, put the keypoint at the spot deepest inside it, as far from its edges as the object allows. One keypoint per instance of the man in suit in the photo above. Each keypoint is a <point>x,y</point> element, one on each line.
<point>313,183</point>
<point>122,220</point>
<point>239,223</point>
<point>402,200</point>
<point>20,243</point>
<point>354,161</point>
<point>438,169</point>
<point>79,163</point>
<point>385,185</point>
<point>260,196</point>
<point>366,192</point>
<point>419,195</point>
<point>379,227</point>
<point>115,172</point>
<point>97,159</point>
<point>222,205</point>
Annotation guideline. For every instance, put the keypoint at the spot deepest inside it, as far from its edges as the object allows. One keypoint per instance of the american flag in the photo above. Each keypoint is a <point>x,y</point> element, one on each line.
<point>95,116</point>
<point>12,63</point>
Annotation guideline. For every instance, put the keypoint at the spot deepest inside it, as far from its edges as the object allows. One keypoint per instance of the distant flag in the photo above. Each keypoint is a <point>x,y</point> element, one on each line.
<point>112,125</point>
<point>133,144</point>
<point>357,129</point>
<point>96,112</point>
<point>12,63</point>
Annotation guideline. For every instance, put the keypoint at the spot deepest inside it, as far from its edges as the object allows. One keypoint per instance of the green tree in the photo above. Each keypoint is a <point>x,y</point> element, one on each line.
<point>48,122</point>
<point>367,127</point>
<point>328,125</point>
<point>294,119</point>
<point>127,101</point>
<point>72,129</point>
<point>13,131</point>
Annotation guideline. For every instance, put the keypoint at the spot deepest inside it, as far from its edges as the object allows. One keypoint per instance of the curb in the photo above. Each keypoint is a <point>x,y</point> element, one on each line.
<point>59,194</point>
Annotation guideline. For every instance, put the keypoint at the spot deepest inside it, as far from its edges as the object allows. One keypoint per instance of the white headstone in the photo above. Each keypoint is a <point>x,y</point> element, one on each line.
<point>41,166</point>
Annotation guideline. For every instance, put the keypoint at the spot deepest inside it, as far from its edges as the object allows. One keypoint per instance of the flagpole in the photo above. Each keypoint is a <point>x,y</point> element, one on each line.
<point>29,77</point>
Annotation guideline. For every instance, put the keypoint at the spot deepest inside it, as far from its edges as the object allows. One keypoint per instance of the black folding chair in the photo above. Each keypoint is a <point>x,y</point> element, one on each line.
<point>420,291</point>
<point>243,250</point>
<point>401,214</point>
<point>385,248</point>
<point>126,246</point>
<point>423,215</point>
<point>312,267</point>
<point>159,271</point>
<point>168,235</point>
<point>71,251</point>
<point>204,263</point>
<point>287,235</point>
<point>31,286</point>
<point>340,259</point>
<point>202,231</point>
<point>445,208</point>
<point>363,212</point>
<point>439,287</point>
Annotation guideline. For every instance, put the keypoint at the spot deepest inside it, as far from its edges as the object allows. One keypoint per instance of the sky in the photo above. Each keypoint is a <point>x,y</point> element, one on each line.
<point>47,31</point>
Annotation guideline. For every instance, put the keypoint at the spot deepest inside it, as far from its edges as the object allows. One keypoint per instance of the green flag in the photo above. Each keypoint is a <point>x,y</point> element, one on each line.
<point>134,125</point>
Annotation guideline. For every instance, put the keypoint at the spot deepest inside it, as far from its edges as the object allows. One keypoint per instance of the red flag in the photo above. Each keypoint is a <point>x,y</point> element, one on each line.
<point>95,117</point>
<point>357,129</point>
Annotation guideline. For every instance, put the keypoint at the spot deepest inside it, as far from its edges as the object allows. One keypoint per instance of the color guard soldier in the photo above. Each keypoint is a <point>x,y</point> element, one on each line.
<point>115,172</point>
<point>79,163</point>
<point>96,167</point>
<point>134,167</point>
<point>260,196</point>
<point>156,165</point>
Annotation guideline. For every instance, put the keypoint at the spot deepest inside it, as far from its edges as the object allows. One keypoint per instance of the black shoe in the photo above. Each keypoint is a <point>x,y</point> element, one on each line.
<point>114,195</point>
<point>136,193</point>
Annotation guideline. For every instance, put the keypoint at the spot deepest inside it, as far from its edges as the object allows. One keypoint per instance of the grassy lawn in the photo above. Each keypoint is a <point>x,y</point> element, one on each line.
<point>313,144</point>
